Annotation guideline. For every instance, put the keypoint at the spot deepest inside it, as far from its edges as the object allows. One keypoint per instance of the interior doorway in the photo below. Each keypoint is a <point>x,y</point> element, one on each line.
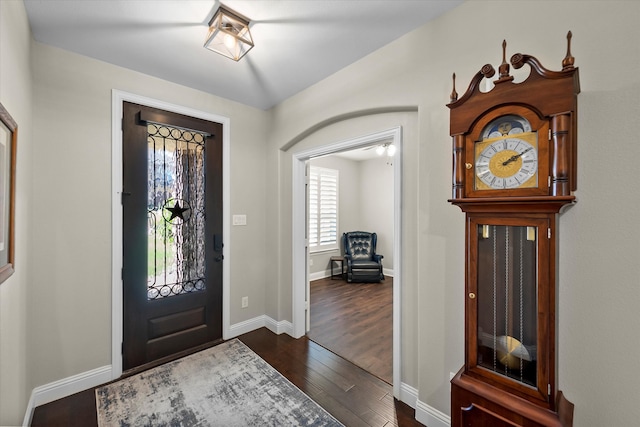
<point>301,288</point>
<point>352,191</point>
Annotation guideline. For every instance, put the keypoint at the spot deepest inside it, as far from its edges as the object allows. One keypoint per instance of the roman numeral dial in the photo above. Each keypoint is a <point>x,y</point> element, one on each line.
<point>507,162</point>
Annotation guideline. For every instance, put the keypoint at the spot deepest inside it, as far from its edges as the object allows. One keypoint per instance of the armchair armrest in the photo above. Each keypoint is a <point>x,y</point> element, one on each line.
<point>348,259</point>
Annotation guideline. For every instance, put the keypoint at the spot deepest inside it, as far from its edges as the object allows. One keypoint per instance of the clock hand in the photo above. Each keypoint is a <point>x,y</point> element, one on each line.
<point>515,157</point>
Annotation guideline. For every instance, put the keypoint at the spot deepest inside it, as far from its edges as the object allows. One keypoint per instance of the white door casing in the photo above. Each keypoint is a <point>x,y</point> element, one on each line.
<point>117,98</point>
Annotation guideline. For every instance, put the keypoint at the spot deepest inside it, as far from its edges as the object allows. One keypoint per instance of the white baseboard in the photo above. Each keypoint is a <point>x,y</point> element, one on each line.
<point>327,273</point>
<point>277,327</point>
<point>408,395</point>
<point>425,414</point>
<point>430,416</point>
<point>319,275</point>
<point>44,394</point>
<point>246,326</point>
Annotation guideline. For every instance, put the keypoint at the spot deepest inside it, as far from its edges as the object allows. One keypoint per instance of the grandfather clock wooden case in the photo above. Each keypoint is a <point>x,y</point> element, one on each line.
<point>514,170</point>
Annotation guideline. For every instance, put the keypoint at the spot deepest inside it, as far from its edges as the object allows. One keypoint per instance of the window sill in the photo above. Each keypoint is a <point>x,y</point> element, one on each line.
<point>322,251</point>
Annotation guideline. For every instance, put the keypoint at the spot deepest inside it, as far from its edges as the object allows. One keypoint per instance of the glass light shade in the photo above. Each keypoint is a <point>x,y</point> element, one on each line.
<point>391,150</point>
<point>229,34</point>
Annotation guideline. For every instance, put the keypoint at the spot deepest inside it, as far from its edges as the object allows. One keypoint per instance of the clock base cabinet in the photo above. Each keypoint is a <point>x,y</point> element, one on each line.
<point>478,404</point>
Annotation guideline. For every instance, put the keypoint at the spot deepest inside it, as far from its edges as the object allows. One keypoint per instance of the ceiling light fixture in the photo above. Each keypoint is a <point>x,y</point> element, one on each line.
<point>389,148</point>
<point>229,34</point>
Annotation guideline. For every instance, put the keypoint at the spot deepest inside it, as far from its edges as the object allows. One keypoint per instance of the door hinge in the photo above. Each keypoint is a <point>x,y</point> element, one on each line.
<point>548,389</point>
<point>549,233</point>
<point>549,134</point>
<point>122,194</point>
<point>122,348</point>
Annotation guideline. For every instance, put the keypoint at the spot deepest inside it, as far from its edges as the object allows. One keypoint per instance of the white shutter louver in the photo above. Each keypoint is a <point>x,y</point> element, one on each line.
<point>323,209</point>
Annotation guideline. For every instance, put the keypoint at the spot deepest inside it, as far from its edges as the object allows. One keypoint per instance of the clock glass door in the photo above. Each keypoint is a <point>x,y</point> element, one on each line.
<point>507,321</point>
<point>507,307</point>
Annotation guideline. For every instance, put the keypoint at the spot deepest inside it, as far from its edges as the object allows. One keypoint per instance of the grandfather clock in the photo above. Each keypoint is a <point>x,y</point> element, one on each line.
<point>514,171</point>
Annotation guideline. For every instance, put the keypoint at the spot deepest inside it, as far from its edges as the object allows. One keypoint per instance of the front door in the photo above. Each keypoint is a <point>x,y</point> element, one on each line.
<point>172,234</point>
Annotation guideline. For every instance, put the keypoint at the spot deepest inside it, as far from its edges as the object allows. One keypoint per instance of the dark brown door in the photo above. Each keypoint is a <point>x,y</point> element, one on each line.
<point>172,254</point>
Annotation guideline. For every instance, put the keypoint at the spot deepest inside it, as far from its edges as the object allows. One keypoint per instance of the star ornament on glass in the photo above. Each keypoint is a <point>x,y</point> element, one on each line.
<point>177,211</point>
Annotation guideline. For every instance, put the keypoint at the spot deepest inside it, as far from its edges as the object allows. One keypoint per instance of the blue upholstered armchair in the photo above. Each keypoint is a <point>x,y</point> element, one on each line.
<point>363,264</point>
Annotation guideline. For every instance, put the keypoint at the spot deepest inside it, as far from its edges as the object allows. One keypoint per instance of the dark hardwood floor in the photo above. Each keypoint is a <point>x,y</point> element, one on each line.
<point>349,393</point>
<point>355,321</point>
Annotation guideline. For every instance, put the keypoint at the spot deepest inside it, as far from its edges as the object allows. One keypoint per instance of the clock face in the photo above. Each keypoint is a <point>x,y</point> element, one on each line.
<point>507,163</point>
<point>506,157</point>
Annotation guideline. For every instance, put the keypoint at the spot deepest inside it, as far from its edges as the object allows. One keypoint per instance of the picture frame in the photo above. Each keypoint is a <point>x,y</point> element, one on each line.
<point>8,145</point>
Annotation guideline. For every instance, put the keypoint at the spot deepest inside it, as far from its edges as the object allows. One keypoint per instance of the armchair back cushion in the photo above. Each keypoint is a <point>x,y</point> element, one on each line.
<point>360,245</point>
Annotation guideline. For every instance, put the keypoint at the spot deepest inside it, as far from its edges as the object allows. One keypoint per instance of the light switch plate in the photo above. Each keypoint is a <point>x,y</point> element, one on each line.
<point>239,220</point>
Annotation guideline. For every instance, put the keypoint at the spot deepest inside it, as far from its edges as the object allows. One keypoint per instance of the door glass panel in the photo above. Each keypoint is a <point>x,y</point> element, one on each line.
<point>507,301</point>
<point>176,206</point>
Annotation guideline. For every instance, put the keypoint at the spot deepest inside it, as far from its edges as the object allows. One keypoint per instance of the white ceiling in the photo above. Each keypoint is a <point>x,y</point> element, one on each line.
<point>297,42</point>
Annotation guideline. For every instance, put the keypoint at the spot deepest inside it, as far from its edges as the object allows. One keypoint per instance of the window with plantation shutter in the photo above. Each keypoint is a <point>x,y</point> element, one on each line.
<point>323,209</point>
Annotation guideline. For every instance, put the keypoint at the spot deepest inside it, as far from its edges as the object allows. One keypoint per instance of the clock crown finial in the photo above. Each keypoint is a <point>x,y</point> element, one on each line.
<point>454,94</point>
<point>568,61</point>
<point>504,67</point>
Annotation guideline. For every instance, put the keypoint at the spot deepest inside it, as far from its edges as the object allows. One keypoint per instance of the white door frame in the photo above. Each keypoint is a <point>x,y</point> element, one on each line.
<point>299,264</point>
<point>117,98</point>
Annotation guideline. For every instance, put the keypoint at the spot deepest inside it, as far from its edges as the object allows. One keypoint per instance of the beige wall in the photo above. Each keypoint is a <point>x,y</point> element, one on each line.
<point>15,292</point>
<point>598,243</point>
<point>376,201</point>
